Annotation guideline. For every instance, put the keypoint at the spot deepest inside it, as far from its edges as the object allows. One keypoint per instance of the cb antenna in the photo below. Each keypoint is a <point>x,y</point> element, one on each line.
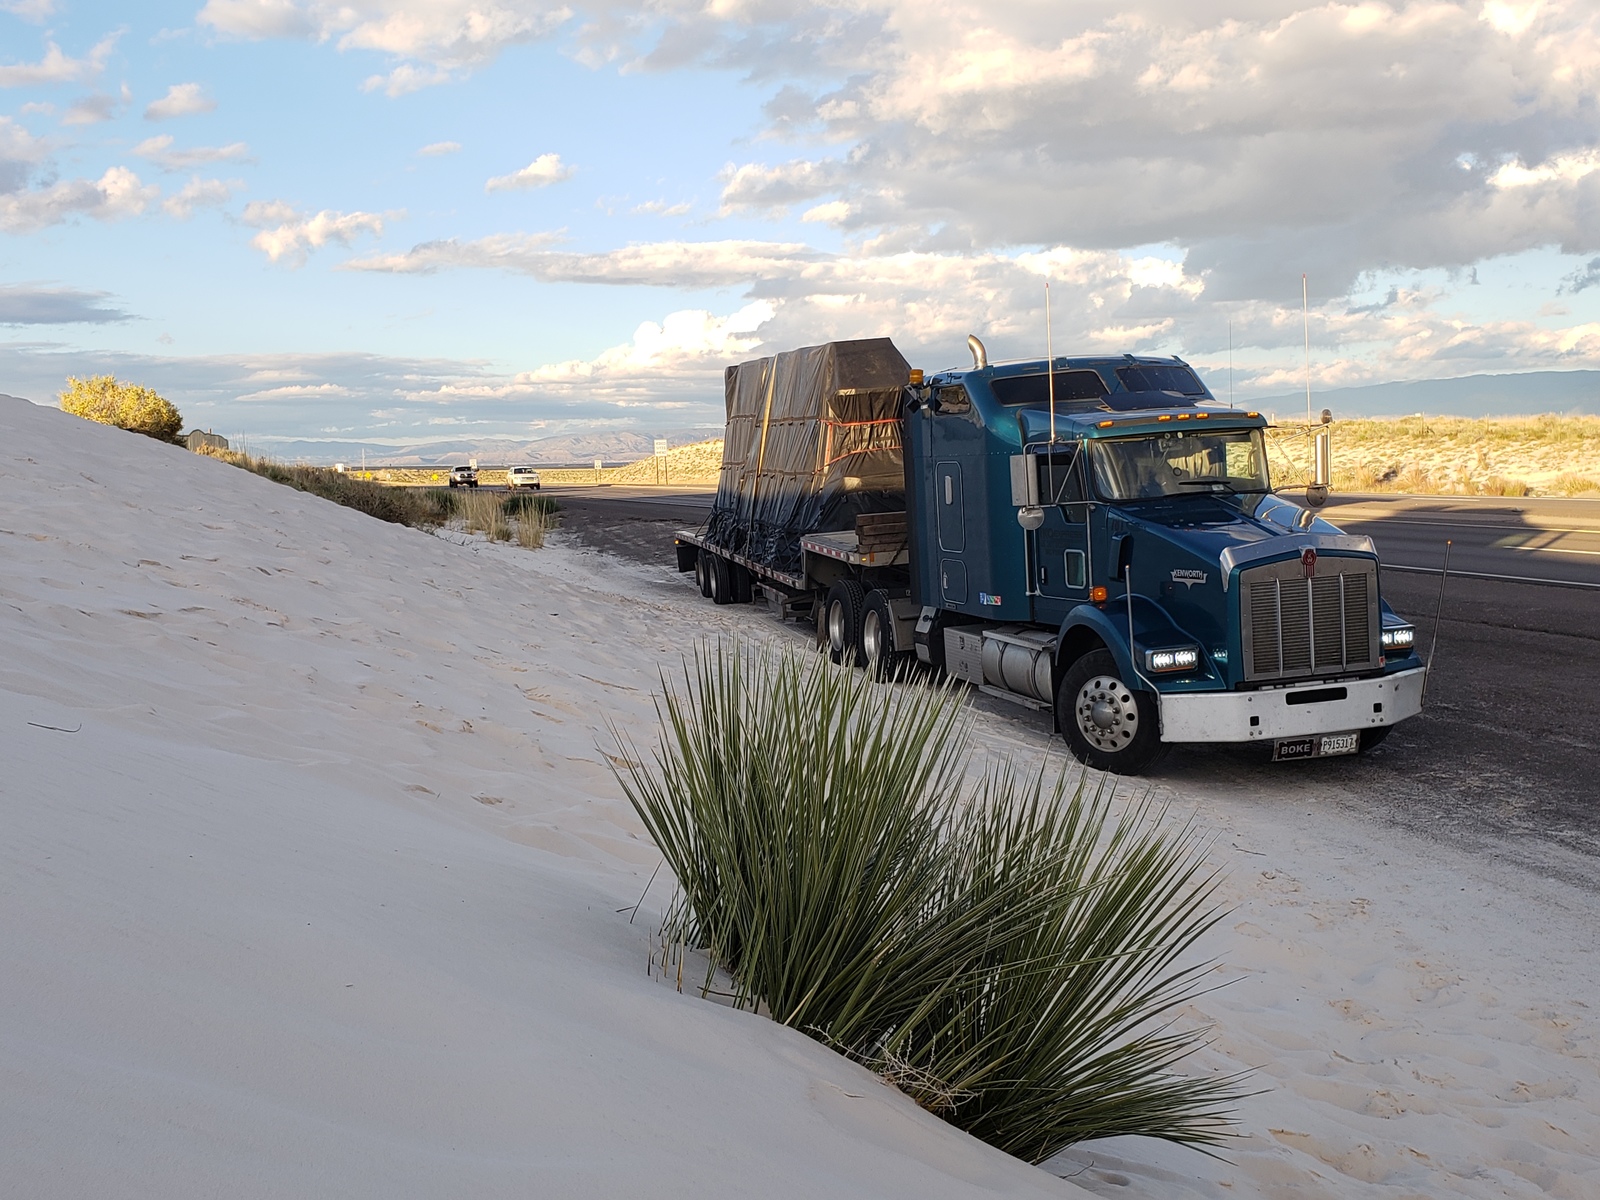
<point>1305,317</point>
<point>1050,363</point>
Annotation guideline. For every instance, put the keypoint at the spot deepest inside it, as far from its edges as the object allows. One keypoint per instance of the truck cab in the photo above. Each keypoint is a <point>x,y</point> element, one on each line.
<point>1100,537</point>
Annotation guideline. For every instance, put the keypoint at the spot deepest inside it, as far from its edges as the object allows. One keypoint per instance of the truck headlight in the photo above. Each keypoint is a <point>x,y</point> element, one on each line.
<point>1180,658</point>
<point>1398,637</point>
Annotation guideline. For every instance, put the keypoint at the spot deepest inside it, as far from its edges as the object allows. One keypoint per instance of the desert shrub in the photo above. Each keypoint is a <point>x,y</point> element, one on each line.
<point>480,512</point>
<point>1498,485</point>
<point>126,405</point>
<point>1570,483</point>
<point>522,502</point>
<point>402,506</point>
<point>1006,952</point>
<point>532,526</point>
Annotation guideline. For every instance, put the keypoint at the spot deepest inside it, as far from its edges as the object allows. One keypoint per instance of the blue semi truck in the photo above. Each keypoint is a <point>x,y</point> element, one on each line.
<point>1096,537</point>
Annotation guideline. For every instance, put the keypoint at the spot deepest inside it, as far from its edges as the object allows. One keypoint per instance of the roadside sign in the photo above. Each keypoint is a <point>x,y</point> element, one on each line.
<point>661,447</point>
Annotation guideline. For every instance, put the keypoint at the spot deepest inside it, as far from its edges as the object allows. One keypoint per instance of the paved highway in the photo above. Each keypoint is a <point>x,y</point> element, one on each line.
<point>1548,540</point>
<point>1504,760</point>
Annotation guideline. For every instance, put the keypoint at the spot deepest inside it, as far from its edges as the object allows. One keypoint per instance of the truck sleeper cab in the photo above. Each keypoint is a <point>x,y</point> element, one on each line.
<point>1098,538</point>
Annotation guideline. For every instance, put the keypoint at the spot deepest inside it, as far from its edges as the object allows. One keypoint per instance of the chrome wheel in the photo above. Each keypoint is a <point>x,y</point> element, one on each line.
<point>1107,714</point>
<point>838,634</point>
<point>872,636</point>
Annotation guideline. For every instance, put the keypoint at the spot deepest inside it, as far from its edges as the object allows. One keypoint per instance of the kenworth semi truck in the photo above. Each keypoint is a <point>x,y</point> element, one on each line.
<point>1092,536</point>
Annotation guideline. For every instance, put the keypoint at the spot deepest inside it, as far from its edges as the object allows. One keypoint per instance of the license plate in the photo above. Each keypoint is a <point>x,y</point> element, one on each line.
<point>1321,745</point>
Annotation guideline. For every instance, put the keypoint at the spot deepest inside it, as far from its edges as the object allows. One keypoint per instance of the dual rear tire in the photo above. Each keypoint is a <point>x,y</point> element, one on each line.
<point>721,580</point>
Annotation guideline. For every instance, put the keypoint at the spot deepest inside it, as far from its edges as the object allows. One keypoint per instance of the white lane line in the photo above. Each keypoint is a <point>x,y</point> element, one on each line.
<point>1550,550</point>
<point>1571,583</point>
<point>1371,519</point>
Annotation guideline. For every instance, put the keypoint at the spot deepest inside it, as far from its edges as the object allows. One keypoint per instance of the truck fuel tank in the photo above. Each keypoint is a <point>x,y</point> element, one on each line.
<point>1014,660</point>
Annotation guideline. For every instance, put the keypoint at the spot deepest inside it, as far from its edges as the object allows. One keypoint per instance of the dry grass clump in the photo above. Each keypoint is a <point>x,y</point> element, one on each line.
<point>1570,483</point>
<point>519,517</point>
<point>403,507</point>
<point>1010,953</point>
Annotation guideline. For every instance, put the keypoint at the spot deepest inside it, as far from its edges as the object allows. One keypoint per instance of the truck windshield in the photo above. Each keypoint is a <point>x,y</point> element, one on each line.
<point>1180,462</point>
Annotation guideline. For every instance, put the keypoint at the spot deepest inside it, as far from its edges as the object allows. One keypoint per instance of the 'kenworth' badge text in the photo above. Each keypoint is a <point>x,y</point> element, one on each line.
<point>1188,577</point>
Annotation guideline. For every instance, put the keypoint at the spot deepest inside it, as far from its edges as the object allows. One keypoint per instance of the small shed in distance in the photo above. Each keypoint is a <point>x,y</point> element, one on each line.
<point>197,440</point>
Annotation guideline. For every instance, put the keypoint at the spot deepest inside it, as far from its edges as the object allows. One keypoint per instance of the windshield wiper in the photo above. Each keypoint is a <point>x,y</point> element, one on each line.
<point>1222,485</point>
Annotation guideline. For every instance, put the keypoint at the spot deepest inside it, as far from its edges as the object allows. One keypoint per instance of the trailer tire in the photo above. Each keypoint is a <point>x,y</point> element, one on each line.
<point>743,583</point>
<point>1107,724</point>
<point>846,601</point>
<point>702,573</point>
<point>721,578</point>
<point>876,640</point>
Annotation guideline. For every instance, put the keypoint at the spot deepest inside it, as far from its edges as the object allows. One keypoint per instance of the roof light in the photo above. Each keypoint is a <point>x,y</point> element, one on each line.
<point>1249,414</point>
<point>1183,416</point>
<point>1104,425</point>
<point>1164,417</point>
<point>1201,416</point>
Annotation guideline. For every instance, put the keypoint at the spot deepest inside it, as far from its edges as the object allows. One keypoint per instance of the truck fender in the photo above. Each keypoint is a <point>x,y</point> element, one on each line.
<point>1088,626</point>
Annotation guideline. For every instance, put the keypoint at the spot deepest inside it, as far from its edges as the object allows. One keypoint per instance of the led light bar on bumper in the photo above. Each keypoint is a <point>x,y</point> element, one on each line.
<point>1179,658</point>
<point>1398,637</point>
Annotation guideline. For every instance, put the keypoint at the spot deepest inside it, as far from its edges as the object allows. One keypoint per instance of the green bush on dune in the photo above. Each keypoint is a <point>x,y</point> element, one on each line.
<point>1010,953</point>
<point>126,405</point>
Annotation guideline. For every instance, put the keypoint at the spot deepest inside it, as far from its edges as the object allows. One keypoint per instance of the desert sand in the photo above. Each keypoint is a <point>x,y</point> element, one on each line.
<point>316,882</point>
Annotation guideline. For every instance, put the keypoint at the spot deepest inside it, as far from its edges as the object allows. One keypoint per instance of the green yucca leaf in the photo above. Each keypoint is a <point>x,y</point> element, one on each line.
<point>1009,952</point>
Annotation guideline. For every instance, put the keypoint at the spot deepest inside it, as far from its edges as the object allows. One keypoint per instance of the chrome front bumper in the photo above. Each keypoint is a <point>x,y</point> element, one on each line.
<point>1295,711</point>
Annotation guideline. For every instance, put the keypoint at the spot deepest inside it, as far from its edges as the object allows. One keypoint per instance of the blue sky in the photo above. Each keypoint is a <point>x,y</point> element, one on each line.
<point>402,220</point>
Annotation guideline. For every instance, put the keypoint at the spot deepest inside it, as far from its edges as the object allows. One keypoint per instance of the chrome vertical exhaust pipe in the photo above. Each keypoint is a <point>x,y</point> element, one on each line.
<point>980,356</point>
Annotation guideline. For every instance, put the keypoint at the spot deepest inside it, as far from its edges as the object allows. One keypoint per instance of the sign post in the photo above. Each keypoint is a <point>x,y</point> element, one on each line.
<point>661,460</point>
<point>597,465</point>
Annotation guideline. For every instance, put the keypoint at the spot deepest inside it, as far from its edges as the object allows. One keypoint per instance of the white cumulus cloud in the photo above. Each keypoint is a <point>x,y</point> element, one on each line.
<point>435,149</point>
<point>541,172</point>
<point>288,235</point>
<point>159,150</point>
<point>116,194</point>
<point>181,100</point>
<point>199,193</point>
<point>56,67</point>
<point>430,41</point>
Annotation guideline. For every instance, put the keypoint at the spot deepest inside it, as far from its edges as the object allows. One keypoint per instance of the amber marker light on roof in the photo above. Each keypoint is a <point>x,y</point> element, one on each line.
<point>1201,416</point>
<point>1252,414</point>
<point>916,378</point>
<point>1105,425</point>
<point>1164,417</point>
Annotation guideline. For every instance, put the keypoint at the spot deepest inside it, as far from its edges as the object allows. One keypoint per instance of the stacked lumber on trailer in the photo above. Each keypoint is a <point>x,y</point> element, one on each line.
<point>878,532</point>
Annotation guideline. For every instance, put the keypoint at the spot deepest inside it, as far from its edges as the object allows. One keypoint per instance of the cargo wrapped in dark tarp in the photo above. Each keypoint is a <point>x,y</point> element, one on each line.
<point>813,439</point>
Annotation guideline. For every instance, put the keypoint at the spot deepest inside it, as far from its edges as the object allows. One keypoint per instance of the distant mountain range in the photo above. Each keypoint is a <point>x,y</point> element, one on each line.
<point>1524,394</point>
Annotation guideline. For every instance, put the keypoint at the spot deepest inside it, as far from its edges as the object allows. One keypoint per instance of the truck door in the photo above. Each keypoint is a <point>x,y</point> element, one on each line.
<point>1061,544</point>
<point>952,526</point>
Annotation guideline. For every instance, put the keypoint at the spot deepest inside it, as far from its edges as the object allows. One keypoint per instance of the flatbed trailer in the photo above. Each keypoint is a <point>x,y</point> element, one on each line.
<point>825,558</point>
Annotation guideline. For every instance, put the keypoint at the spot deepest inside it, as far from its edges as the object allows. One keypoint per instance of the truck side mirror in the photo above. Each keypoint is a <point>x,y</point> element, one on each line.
<point>1316,494</point>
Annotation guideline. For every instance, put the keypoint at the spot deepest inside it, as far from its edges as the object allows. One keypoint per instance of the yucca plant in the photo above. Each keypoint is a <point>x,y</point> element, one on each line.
<point>1006,953</point>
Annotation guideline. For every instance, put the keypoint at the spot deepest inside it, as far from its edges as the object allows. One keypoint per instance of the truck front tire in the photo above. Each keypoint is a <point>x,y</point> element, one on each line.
<point>1107,724</point>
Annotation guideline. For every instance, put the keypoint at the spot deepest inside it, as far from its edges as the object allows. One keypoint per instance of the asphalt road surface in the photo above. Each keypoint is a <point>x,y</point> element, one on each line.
<point>1505,758</point>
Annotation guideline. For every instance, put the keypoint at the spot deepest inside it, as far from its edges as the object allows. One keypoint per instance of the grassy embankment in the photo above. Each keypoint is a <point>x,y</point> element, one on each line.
<point>694,464</point>
<point>1455,456</point>
<point>525,519</point>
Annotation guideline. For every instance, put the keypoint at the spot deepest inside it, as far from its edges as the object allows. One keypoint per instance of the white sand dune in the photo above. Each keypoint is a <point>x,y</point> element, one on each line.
<point>320,900</point>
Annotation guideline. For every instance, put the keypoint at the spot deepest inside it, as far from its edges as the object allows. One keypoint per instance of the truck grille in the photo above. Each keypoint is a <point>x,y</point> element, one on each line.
<point>1293,626</point>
